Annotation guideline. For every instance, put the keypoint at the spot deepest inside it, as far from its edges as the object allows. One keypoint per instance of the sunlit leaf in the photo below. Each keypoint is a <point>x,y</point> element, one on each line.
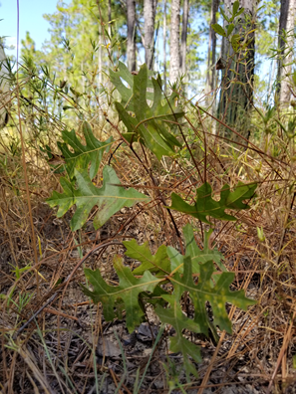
<point>230,29</point>
<point>109,198</point>
<point>158,263</point>
<point>205,205</point>
<point>218,29</point>
<point>235,41</point>
<point>149,124</point>
<point>82,155</point>
<point>235,7</point>
<point>199,256</point>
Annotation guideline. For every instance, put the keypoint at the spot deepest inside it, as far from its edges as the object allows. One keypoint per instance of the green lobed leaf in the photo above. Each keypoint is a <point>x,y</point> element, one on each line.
<point>176,318</point>
<point>126,92</point>
<point>155,297</point>
<point>181,344</point>
<point>204,291</point>
<point>126,295</point>
<point>205,205</point>
<point>158,263</point>
<point>176,259</point>
<point>92,152</point>
<point>168,259</point>
<point>148,123</point>
<point>197,255</point>
<point>128,291</point>
<point>109,198</point>
<point>217,294</point>
<point>146,133</point>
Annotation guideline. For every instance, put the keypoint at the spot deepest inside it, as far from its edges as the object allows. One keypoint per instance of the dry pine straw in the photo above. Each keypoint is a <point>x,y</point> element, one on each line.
<point>262,342</point>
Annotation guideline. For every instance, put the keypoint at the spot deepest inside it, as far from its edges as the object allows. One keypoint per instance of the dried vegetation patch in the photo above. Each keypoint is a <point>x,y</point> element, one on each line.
<point>69,347</point>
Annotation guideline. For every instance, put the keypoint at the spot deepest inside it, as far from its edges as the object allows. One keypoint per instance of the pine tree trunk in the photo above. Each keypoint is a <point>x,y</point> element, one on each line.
<point>215,7</point>
<point>131,33</point>
<point>164,44</point>
<point>100,54</point>
<point>237,87</point>
<point>184,36</point>
<point>4,87</point>
<point>109,18</point>
<point>175,41</point>
<point>211,72</point>
<point>287,24</point>
<point>149,22</point>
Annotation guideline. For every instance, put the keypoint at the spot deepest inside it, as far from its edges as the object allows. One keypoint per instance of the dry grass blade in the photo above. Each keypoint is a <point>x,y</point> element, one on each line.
<point>27,357</point>
<point>287,339</point>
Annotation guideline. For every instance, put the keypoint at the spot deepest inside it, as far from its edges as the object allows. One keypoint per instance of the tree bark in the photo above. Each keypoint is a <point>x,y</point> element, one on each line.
<point>149,23</point>
<point>237,77</point>
<point>285,44</point>
<point>213,40</point>
<point>100,55</point>
<point>131,34</point>
<point>184,36</point>
<point>175,41</point>
<point>164,44</point>
<point>109,18</point>
<point>211,72</point>
<point>4,89</point>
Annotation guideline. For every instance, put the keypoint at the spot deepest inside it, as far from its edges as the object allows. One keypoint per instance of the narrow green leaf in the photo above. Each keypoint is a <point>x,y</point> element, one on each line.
<point>140,92</point>
<point>66,107</point>
<point>235,41</point>
<point>218,29</point>
<point>240,12</point>
<point>235,7</point>
<point>224,15</point>
<point>294,77</point>
<point>230,29</point>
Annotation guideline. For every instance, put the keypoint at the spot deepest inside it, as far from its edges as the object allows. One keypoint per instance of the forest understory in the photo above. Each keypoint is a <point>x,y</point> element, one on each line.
<point>147,211</point>
<point>69,346</point>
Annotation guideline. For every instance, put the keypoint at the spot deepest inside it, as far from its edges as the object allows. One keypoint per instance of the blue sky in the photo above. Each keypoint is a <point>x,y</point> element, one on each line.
<point>31,20</point>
